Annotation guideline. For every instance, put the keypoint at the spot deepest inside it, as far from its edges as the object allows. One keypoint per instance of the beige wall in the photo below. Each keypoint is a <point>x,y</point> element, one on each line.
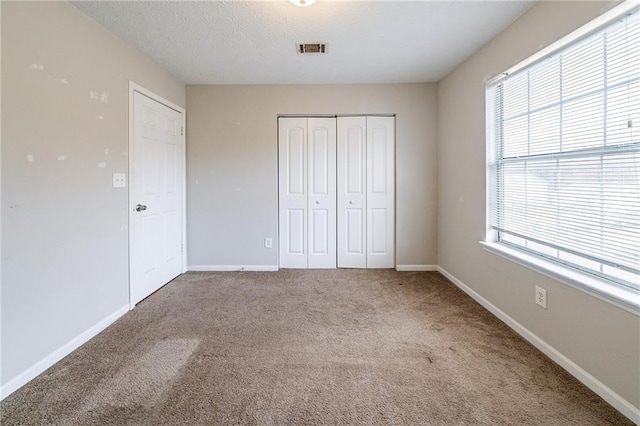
<point>232,175</point>
<point>600,338</point>
<point>64,228</point>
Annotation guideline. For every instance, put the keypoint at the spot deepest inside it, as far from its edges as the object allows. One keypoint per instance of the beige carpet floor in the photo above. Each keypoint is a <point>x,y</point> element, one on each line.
<point>307,347</point>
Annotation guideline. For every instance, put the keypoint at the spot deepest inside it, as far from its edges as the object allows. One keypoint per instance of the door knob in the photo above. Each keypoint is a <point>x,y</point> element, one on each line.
<point>350,202</point>
<point>317,202</point>
<point>141,208</point>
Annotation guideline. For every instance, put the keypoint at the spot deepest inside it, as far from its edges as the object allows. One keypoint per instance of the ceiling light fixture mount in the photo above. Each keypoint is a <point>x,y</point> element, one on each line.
<point>302,3</point>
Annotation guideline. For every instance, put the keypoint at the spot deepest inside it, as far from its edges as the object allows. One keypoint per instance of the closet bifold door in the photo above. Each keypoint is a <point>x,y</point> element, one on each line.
<point>366,192</point>
<point>321,149</point>
<point>292,189</point>
<point>307,192</point>
<point>352,192</point>
<point>380,192</point>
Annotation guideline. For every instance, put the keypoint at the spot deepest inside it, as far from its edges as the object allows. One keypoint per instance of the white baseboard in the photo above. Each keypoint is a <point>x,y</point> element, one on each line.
<point>237,268</point>
<point>39,367</point>
<point>618,402</point>
<point>416,268</point>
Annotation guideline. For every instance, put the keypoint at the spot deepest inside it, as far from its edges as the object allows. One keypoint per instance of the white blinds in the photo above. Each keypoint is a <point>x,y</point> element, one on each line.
<point>566,176</point>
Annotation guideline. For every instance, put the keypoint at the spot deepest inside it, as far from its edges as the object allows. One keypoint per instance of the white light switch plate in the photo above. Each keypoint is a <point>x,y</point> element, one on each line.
<point>119,180</point>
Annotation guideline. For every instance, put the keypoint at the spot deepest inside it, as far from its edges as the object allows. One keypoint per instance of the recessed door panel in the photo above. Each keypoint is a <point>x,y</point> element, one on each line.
<point>319,143</point>
<point>172,126</point>
<point>352,201</point>
<point>149,169</point>
<point>319,223</point>
<point>151,232</point>
<point>378,223</point>
<point>171,159</point>
<point>354,162</point>
<point>295,232</point>
<point>149,117</point>
<point>380,192</point>
<point>296,167</point>
<point>173,236</point>
<point>378,151</point>
<point>354,235</point>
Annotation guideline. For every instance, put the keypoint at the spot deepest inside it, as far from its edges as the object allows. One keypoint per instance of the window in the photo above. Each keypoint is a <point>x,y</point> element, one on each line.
<point>564,155</point>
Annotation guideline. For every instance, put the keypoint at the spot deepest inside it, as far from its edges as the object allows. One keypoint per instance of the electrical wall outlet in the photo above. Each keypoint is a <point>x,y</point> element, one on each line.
<point>119,180</point>
<point>541,297</point>
<point>268,243</point>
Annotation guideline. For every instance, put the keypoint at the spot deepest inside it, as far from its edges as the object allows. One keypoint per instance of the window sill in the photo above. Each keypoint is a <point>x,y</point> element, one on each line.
<point>624,298</point>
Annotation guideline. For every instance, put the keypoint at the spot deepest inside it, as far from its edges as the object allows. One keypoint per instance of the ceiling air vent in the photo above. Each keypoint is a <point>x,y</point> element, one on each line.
<point>310,48</point>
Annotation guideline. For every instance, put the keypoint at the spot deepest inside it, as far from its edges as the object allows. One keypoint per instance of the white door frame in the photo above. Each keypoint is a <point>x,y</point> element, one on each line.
<point>133,87</point>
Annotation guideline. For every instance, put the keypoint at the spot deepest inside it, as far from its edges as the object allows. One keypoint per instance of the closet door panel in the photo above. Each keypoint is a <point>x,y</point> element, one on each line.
<point>352,192</point>
<point>379,224</point>
<point>354,223</point>
<point>292,188</point>
<point>322,192</point>
<point>380,192</point>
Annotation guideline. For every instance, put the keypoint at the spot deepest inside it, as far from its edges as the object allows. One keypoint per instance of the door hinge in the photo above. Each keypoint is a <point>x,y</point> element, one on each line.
<point>181,248</point>
<point>181,131</point>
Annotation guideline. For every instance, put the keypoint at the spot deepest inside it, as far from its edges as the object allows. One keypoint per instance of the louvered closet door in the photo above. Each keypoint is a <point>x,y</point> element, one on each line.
<point>292,164</point>
<point>352,192</point>
<point>321,150</point>
<point>380,192</point>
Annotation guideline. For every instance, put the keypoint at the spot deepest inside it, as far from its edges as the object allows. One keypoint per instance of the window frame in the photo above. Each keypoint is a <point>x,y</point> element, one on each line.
<point>618,294</point>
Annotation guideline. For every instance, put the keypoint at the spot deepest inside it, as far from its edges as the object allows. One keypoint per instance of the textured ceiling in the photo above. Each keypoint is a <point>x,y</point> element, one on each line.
<point>253,42</point>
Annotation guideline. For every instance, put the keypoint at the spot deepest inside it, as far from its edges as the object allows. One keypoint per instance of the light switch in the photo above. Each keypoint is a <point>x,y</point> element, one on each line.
<point>119,180</point>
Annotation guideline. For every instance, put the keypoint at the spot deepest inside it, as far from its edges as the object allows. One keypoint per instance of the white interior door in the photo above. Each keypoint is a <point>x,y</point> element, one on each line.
<point>157,185</point>
<point>352,192</point>
<point>292,165</point>
<point>321,149</point>
<point>380,192</point>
